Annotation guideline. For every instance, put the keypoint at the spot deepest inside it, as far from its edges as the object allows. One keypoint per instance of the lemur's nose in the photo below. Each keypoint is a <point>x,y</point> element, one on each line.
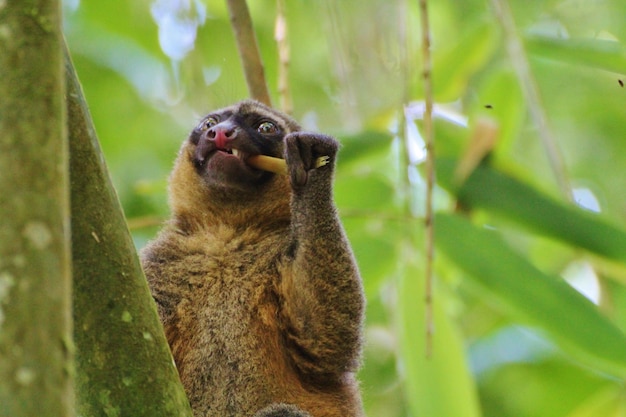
<point>222,134</point>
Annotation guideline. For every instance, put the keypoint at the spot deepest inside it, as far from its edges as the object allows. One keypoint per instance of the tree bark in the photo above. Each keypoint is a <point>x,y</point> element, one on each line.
<point>35,276</point>
<point>124,366</point>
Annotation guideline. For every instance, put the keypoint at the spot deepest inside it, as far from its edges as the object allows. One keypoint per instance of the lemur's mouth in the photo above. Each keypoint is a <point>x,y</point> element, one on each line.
<point>222,156</point>
<point>235,152</point>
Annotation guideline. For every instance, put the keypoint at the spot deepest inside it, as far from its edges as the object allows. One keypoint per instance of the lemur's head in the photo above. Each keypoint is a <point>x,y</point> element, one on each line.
<point>211,168</point>
<point>220,144</point>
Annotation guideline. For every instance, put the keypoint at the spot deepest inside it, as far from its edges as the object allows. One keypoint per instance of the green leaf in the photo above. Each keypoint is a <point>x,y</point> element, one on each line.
<point>522,289</point>
<point>454,67</point>
<point>499,97</point>
<point>374,244</point>
<point>607,402</point>
<point>440,385</point>
<point>356,147</point>
<point>603,54</point>
<point>365,192</point>
<point>494,191</point>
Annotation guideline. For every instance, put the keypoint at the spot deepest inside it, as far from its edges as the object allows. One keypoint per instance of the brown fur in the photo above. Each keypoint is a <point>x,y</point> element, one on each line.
<point>256,286</point>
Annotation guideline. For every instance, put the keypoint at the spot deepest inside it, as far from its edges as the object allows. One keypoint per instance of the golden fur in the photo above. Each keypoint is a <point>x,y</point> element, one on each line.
<point>256,286</point>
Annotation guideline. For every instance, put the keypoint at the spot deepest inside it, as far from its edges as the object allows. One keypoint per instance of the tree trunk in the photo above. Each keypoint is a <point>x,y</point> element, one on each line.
<point>35,276</point>
<point>124,366</point>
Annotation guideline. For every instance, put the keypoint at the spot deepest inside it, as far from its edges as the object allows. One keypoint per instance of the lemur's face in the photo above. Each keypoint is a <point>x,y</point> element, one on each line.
<point>221,143</point>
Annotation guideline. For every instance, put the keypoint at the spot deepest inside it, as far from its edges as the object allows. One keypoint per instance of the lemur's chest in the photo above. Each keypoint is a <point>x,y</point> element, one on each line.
<point>229,286</point>
<point>227,276</point>
<point>230,305</point>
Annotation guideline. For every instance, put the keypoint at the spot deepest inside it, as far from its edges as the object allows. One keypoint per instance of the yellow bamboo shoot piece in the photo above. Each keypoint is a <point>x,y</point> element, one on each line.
<point>278,165</point>
<point>483,141</point>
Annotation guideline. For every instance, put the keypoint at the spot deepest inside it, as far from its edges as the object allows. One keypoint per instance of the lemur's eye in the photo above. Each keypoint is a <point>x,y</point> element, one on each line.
<point>208,123</point>
<point>267,128</point>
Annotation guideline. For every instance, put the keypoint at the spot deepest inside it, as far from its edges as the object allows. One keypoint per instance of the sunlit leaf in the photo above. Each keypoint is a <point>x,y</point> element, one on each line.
<point>525,291</point>
<point>494,191</point>
<point>454,67</point>
<point>373,243</point>
<point>363,193</point>
<point>500,98</point>
<point>539,381</point>
<point>357,146</point>
<point>597,53</point>
<point>608,402</point>
<point>439,385</point>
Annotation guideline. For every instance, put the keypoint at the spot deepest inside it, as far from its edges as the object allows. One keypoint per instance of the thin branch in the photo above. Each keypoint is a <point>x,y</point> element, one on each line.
<point>430,171</point>
<point>406,74</point>
<point>342,65</point>
<point>280,35</point>
<point>519,60</point>
<point>143,222</point>
<point>248,50</point>
<point>377,215</point>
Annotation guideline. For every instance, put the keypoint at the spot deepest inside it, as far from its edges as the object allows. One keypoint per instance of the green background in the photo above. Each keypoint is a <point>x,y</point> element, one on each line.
<point>511,337</point>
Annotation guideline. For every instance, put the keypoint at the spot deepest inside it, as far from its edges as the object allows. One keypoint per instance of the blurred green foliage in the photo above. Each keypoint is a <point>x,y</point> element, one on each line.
<point>511,338</point>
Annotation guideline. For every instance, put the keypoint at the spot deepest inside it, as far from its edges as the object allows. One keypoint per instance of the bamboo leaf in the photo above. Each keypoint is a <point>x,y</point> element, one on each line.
<point>440,385</point>
<point>527,292</point>
<point>607,402</point>
<point>374,242</point>
<point>454,67</point>
<point>494,191</point>
<point>602,54</point>
<point>355,147</point>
